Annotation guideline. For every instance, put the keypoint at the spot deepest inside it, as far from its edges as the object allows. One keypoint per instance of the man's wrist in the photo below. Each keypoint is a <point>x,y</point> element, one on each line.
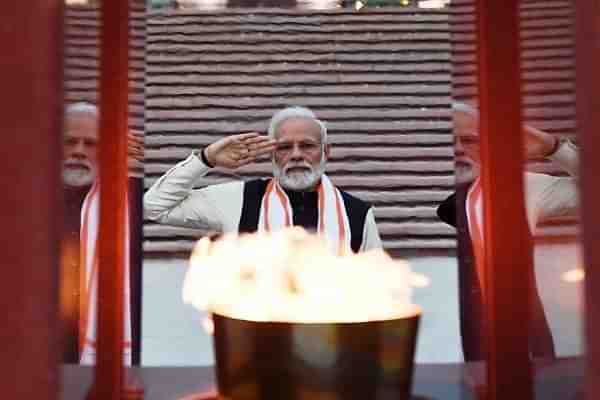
<point>555,146</point>
<point>201,154</point>
<point>205,159</point>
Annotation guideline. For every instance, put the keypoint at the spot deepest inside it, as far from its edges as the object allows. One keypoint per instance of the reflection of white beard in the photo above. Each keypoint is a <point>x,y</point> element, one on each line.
<point>304,180</point>
<point>465,171</point>
<point>78,173</point>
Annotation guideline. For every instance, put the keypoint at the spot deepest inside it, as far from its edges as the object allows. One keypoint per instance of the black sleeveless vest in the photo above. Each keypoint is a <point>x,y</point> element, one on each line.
<point>304,208</point>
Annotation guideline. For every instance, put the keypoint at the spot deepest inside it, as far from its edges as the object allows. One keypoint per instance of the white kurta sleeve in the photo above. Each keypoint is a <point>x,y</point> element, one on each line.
<point>550,196</point>
<point>371,239</point>
<point>172,200</point>
<point>567,157</point>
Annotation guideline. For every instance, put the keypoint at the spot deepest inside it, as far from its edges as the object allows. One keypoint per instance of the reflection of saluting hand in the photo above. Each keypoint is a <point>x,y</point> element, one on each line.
<point>539,144</point>
<point>135,145</point>
<point>238,150</point>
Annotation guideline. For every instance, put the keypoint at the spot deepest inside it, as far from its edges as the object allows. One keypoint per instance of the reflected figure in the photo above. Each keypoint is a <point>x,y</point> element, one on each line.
<point>546,197</point>
<point>300,193</point>
<point>80,146</point>
<point>79,172</point>
<point>79,258</point>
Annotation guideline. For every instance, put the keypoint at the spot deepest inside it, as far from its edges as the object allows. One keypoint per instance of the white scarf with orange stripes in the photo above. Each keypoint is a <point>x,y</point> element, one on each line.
<point>90,219</point>
<point>474,206</point>
<point>276,213</point>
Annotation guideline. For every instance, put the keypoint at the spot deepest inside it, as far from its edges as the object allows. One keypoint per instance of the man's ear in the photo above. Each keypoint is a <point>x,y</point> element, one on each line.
<point>327,150</point>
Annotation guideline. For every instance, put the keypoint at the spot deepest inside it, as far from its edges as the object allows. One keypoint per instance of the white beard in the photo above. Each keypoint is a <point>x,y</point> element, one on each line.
<point>82,175</point>
<point>299,181</point>
<point>466,172</point>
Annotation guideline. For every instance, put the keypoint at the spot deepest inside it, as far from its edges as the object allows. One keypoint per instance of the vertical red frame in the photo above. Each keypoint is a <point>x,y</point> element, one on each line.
<point>508,252</point>
<point>114,87</point>
<point>31,202</point>
<point>588,118</point>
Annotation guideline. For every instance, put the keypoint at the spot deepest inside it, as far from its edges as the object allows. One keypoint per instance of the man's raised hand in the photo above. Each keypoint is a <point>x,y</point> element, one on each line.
<point>538,144</point>
<point>135,145</point>
<point>238,150</point>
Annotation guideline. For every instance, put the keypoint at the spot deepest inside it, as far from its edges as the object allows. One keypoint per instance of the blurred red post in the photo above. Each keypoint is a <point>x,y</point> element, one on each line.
<point>508,252</point>
<point>114,65</point>
<point>588,121</point>
<point>31,201</point>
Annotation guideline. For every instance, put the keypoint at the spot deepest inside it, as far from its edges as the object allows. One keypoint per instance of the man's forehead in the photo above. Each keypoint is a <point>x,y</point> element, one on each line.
<point>81,116</point>
<point>465,124</point>
<point>463,116</point>
<point>299,127</point>
<point>81,123</point>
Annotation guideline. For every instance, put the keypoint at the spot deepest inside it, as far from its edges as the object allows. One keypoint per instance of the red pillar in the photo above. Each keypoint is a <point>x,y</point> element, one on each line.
<point>114,86</point>
<point>507,243</point>
<point>30,204</point>
<point>588,118</point>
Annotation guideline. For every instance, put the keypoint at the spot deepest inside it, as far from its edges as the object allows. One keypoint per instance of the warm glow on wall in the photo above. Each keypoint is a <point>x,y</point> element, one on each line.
<point>574,275</point>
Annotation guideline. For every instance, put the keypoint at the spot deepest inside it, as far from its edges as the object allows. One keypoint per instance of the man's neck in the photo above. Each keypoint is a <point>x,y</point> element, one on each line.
<point>297,192</point>
<point>76,190</point>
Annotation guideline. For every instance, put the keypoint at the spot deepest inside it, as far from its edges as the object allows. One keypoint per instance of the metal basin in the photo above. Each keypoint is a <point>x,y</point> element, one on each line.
<point>315,361</point>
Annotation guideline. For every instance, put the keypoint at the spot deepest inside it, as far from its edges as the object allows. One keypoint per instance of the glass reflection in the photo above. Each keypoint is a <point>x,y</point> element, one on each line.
<point>80,169</point>
<point>551,192</point>
<point>81,185</point>
<point>547,197</point>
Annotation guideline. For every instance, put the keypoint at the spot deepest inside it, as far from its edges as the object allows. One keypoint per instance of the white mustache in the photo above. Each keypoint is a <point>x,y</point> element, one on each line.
<point>290,165</point>
<point>463,159</point>
<point>77,163</point>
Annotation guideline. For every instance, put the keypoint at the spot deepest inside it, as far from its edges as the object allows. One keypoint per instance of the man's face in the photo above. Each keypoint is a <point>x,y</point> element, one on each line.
<point>79,150</point>
<point>299,158</point>
<point>466,146</point>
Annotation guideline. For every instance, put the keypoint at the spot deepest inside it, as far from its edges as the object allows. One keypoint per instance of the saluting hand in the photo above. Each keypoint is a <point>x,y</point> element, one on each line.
<point>135,145</point>
<point>538,144</point>
<point>238,150</point>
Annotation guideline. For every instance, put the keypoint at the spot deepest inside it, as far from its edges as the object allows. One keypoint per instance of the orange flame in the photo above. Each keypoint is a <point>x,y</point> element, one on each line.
<point>293,276</point>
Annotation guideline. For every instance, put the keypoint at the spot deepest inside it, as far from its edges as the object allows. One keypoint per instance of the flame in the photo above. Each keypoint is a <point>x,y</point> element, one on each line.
<point>293,276</point>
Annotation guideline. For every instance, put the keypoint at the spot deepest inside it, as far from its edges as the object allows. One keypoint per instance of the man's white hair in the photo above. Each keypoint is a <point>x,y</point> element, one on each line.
<point>465,108</point>
<point>295,112</point>
<point>82,107</point>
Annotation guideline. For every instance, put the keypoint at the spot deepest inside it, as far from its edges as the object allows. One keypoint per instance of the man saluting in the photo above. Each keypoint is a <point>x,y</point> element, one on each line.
<point>300,193</point>
<point>545,197</point>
